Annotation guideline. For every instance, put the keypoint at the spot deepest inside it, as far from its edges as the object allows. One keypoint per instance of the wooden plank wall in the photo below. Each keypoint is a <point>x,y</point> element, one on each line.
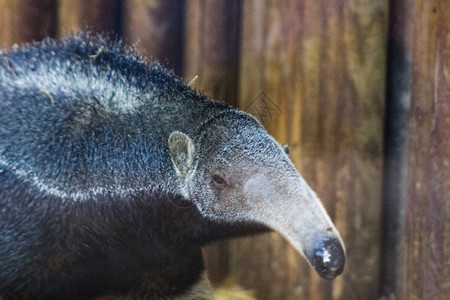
<point>426,261</point>
<point>23,20</point>
<point>97,15</point>
<point>360,91</point>
<point>156,27</point>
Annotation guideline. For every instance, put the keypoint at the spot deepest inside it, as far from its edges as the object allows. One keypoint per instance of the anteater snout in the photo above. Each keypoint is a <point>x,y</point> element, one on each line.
<point>329,258</point>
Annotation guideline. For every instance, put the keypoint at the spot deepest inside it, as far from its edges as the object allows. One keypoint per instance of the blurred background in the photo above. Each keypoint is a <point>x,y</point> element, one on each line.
<point>359,89</point>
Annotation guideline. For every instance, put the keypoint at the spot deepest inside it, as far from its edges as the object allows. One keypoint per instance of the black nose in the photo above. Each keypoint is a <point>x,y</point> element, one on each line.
<point>329,258</point>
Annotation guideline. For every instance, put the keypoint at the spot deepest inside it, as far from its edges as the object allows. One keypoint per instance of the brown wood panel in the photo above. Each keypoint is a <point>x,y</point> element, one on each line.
<point>211,56</point>
<point>156,27</point>
<point>26,20</point>
<point>426,272</point>
<point>95,15</point>
<point>211,47</point>
<point>313,71</point>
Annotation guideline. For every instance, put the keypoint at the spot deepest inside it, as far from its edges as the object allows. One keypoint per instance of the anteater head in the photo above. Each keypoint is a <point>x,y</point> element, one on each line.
<point>235,172</point>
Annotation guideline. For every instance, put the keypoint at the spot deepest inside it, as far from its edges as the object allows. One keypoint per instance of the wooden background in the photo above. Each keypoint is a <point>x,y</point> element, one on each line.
<point>359,89</point>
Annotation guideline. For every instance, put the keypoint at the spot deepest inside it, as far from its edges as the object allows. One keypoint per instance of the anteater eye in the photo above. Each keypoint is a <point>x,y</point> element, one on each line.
<point>218,182</point>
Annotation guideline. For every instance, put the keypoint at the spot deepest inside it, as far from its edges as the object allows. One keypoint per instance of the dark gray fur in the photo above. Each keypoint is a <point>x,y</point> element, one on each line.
<point>97,197</point>
<point>86,181</point>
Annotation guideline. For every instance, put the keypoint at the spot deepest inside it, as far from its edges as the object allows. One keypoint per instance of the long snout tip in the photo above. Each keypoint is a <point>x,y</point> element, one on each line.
<point>329,258</point>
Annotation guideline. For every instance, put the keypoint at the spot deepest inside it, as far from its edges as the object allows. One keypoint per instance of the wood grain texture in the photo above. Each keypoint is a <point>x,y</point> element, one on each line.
<point>156,28</point>
<point>23,21</point>
<point>95,15</point>
<point>319,68</point>
<point>211,55</point>
<point>211,47</point>
<point>426,272</point>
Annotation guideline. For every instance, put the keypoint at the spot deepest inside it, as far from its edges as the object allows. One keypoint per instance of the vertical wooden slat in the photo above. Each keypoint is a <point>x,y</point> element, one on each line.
<point>398,98</point>
<point>211,47</point>
<point>156,27</point>
<point>321,65</point>
<point>26,20</point>
<point>100,16</point>
<point>426,272</point>
<point>211,53</point>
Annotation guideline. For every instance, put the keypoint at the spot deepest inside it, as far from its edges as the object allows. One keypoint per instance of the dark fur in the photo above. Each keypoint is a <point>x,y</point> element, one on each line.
<point>89,200</point>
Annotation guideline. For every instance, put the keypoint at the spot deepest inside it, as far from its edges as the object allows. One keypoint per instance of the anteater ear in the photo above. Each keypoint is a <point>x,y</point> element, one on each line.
<point>182,152</point>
